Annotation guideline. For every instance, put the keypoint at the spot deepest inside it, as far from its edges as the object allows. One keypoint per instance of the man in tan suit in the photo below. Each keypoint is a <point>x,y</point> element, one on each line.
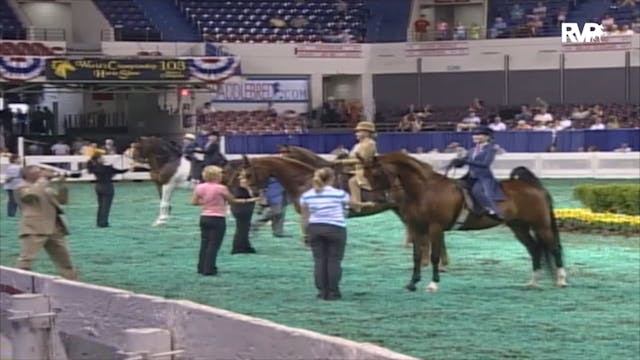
<point>366,149</point>
<point>42,222</point>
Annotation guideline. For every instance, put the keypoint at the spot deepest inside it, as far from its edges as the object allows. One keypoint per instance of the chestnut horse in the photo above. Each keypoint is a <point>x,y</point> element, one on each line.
<point>438,205</point>
<point>296,176</point>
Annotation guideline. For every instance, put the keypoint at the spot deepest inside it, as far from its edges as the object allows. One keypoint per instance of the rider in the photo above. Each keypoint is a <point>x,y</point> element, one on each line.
<point>366,149</point>
<point>193,153</point>
<point>484,186</point>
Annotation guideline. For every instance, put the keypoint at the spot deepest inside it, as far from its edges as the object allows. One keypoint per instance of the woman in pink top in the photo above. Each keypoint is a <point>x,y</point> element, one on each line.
<point>213,197</point>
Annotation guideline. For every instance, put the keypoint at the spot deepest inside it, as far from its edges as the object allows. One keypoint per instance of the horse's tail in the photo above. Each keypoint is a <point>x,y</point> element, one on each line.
<point>524,174</point>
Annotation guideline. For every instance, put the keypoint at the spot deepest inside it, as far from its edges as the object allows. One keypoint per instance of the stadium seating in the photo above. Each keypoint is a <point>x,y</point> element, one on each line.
<point>129,21</point>
<point>251,122</point>
<point>578,11</point>
<point>10,26</point>
<point>8,48</point>
<point>248,21</point>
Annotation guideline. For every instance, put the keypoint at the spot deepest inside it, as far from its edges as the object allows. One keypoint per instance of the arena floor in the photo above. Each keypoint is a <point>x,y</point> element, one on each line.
<point>481,312</point>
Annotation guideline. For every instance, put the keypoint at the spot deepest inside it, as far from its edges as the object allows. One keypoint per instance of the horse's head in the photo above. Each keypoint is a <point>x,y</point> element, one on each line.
<point>232,173</point>
<point>380,175</point>
<point>255,176</point>
<point>139,150</point>
<point>153,148</point>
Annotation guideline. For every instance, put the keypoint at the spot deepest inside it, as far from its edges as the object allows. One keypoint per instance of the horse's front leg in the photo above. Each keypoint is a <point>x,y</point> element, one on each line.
<point>417,260</point>
<point>165,205</point>
<point>436,239</point>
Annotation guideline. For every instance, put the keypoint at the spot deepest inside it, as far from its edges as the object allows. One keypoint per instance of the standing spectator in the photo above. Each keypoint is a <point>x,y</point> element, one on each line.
<point>109,147</point>
<point>420,28</point>
<point>417,123</point>
<point>474,31</point>
<point>42,223</point>
<point>561,17</point>
<point>242,213</point>
<point>60,148</point>
<point>104,186</point>
<point>540,10</point>
<point>212,196</point>
<point>21,121</point>
<point>212,154</point>
<point>498,28</point>
<point>49,120</point>
<point>277,205</point>
<point>12,180</point>
<point>324,213</point>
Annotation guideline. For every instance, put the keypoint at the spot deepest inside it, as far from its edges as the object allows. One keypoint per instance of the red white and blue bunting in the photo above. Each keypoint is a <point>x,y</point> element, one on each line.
<point>214,69</point>
<point>21,68</point>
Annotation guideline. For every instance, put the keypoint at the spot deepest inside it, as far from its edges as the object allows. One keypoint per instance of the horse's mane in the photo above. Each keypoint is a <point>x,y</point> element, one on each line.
<point>409,162</point>
<point>291,161</point>
<point>163,148</point>
<point>297,152</point>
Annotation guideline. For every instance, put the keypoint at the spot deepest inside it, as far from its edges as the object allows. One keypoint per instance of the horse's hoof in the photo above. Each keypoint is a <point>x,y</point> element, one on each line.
<point>158,223</point>
<point>432,287</point>
<point>442,269</point>
<point>532,285</point>
<point>561,284</point>
<point>411,287</point>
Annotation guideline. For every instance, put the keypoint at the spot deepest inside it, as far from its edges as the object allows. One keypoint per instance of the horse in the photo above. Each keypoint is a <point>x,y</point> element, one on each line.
<point>309,157</point>
<point>168,169</point>
<point>296,177</point>
<point>439,204</point>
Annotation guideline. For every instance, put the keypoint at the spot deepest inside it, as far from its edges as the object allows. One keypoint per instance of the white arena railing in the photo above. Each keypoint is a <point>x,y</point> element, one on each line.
<point>597,165</point>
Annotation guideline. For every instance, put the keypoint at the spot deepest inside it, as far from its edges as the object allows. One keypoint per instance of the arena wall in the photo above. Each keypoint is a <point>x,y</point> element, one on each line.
<point>202,332</point>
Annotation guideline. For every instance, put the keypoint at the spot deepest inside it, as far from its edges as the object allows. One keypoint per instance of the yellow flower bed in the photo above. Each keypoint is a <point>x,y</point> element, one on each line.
<point>577,219</point>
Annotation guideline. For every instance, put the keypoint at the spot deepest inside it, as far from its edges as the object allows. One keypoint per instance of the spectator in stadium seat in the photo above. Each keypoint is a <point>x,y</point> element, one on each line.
<point>580,113</point>
<point>421,28</point>
<point>342,7</point>
<point>624,147</point>
<point>417,123</point>
<point>597,124</point>
<point>562,124</point>
<point>561,17</point>
<point>476,105</point>
<point>522,126</point>
<point>534,24</point>
<point>460,32</point>
<point>277,22</point>
<point>443,30</point>
<point>299,22</point>
<point>543,116</point>
<point>474,31</point>
<point>541,126</point>
<point>497,124</point>
<point>498,28</point>
<point>540,10</point>
<point>469,122</point>
<point>405,122</point>
<point>607,21</point>
<point>635,25</point>
<point>516,12</point>
<point>525,114</point>
<point>625,30</point>
<point>630,3</point>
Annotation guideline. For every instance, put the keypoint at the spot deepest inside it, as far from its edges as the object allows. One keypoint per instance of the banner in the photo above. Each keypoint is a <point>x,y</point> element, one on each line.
<point>608,43</point>
<point>263,90</point>
<point>329,51</point>
<point>20,68</point>
<point>117,70</point>
<point>437,48</point>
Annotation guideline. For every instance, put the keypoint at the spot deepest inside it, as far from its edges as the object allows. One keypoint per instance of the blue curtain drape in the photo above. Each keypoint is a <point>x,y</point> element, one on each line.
<point>511,141</point>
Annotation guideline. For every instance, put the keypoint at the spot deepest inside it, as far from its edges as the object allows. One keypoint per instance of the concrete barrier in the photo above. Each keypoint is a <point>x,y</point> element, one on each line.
<point>202,332</point>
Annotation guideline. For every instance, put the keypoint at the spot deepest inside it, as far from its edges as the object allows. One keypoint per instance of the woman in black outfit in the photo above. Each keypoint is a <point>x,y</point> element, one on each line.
<point>242,213</point>
<point>104,186</point>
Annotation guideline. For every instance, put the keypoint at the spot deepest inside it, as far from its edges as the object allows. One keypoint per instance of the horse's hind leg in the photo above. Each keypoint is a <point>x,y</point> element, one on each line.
<point>522,232</point>
<point>165,205</point>
<point>436,239</point>
<point>417,260</point>
<point>549,243</point>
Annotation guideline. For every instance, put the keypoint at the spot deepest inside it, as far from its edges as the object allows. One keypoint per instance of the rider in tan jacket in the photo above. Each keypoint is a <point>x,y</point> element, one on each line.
<point>366,149</point>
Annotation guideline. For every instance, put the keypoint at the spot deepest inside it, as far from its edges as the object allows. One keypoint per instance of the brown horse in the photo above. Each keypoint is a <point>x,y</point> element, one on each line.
<point>438,205</point>
<point>296,176</point>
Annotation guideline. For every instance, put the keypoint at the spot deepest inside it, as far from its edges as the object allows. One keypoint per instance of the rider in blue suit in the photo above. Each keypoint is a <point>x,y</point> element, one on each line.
<point>485,189</point>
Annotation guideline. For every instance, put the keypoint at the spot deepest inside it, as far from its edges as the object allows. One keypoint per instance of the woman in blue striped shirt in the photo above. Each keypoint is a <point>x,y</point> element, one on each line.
<point>324,211</point>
